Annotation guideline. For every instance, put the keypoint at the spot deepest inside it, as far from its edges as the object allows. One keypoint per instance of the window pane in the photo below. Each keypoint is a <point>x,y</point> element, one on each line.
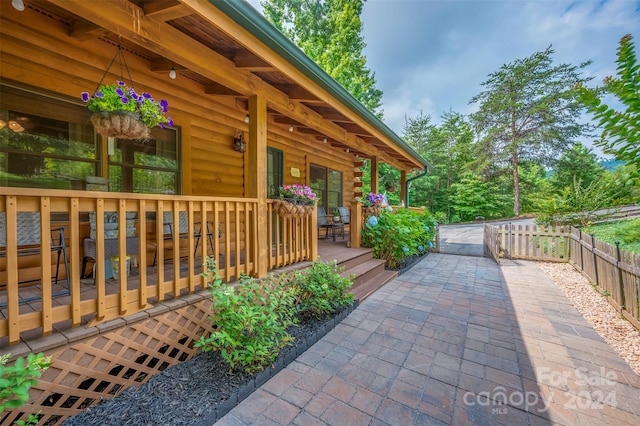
<point>150,167</point>
<point>43,152</point>
<point>274,172</point>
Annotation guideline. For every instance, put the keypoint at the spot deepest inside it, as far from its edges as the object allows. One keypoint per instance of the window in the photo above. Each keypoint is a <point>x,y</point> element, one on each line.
<point>44,142</point>
<point>47,142</point>
<point>275,172</point>
<point>327,184</point>
<point>148,167</point>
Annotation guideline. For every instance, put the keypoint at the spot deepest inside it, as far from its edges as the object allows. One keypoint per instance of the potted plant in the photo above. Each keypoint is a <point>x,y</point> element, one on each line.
<point>295,200</point>
<point>336,216</point>
<point>373,203</point>
<point>119,111</point>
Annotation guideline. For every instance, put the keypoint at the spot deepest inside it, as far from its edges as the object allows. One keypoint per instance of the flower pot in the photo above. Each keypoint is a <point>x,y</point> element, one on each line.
<point>119,124</point>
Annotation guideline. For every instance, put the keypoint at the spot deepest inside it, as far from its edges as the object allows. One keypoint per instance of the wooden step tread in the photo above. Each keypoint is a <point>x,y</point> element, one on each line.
<point>363,268</point>
<point>363,290</point>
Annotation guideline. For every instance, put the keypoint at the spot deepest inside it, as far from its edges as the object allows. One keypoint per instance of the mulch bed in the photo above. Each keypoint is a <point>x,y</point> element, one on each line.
<point>200,390</point>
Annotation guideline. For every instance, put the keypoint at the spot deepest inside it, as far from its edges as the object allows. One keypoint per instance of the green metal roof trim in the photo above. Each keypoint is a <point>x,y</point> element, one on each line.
<point>253,21</point>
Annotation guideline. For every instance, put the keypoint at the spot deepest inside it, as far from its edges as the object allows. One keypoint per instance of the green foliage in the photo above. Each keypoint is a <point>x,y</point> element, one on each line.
<point>579,162</point>
<point>330,33</point>
<point>576,205</point>
<point>321,290</point>
<point>250,321</point>
<point>119,97</point>
<point>626,232</point>
<point>621,129</point>
<point>527,111</point>
<point>15,380</point>
<point>394,236</point>
<point>472,197</point>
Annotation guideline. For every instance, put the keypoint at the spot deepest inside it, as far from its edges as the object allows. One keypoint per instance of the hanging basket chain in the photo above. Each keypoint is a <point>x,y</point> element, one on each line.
<point>121,61</point>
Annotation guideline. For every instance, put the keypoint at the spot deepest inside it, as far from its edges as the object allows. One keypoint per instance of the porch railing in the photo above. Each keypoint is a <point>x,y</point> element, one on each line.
<point>169,259</point>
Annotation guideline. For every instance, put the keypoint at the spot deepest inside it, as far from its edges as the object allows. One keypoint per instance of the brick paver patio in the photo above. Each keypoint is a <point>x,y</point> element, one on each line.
<point>456,340</point>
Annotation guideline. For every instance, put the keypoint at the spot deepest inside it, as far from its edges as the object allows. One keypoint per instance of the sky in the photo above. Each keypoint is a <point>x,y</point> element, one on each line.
<point>433,55</point>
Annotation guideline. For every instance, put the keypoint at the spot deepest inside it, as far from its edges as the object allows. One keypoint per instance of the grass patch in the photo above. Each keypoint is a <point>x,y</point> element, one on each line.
<point>627,232</point>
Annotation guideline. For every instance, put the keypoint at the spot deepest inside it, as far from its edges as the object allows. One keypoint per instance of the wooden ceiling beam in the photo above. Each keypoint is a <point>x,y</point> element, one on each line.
<point>83,31</point>
<point>166,10</point>
<point>218,89</point>
<point>246,60</point>
<point>129,21</point>
<point>165,65</point>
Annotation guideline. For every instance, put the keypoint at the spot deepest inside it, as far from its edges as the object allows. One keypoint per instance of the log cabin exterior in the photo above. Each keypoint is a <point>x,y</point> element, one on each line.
<point>236,74</point>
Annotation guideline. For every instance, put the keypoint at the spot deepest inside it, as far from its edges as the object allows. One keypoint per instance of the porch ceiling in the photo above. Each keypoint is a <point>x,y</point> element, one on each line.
<point>296,101</point>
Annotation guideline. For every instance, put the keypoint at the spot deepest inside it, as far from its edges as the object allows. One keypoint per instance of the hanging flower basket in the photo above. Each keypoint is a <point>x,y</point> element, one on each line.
<point>371,211</point>
<point>119,124</point>
<point>118,111</point>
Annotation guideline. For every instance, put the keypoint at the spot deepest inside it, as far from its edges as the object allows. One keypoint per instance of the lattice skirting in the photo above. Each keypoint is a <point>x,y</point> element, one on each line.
<point>102,366</point>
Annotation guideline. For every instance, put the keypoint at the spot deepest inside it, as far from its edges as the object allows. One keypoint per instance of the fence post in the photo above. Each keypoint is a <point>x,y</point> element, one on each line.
<point>620,282</point>
<point>581,251</point>
<point>595,258</point>
<point>510,242</point>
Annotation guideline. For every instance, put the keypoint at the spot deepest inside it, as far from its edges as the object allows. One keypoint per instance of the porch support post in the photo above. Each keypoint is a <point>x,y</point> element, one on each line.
<point>403,187</point>
<point>374,174</point>
<point>356,225</point>
<point>255,175</point>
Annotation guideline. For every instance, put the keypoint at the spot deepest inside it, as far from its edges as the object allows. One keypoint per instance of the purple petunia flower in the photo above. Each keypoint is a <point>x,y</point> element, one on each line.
<point>170,123</point>
<point>164,105</point>
<point>119,92</point>
<point>124,100</point>
<point>85,96</point>
<point>146,95</point>
<point>161,125</point>
<point>121,83</point>
<point>99,94</point>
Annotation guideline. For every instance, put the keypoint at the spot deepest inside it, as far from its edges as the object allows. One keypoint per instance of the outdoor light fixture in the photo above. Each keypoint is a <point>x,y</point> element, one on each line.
<point>346,150</point>
<point>324,140</point>
<point>239,144</point>
<point>17,5</point>
<point>172,73</point>
<point>246,118</point>
<point>2,124</point>
<point>291,128</point>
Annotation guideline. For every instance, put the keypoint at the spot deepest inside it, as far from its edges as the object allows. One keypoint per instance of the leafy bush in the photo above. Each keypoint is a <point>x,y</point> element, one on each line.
<point>321,290</point>
<point>250,321</point>
<point>394,236</point>
<point>16,380</point>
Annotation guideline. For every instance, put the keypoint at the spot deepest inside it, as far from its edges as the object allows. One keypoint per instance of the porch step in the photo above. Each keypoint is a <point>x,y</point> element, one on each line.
<point>369,275</point>
<point>364,290</point>
<point>358,260</point>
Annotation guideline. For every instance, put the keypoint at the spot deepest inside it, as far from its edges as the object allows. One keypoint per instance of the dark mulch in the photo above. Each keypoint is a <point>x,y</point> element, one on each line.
<point>408,262</point>
<point>200,390</point>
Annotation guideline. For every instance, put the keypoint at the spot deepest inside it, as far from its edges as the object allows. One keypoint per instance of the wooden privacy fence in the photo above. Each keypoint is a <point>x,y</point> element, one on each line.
<point>615,272</point>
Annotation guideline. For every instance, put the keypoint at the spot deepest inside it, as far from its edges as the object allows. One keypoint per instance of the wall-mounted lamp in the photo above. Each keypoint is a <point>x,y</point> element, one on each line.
<point>291,128</point>
<point>3,124</point>
<point>239,144</point>
<point>172,73</point>
<point>324,140</point>
<point>246,118</point>
<point>17,5</point>
<point>346,150</point>
<point>16,126</point>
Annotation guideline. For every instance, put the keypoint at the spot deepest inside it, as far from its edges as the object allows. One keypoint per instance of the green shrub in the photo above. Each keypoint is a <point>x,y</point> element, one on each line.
<point>250,321</point>
<point>15,380</point>
<point>321,290</point>
<point>394,236</point>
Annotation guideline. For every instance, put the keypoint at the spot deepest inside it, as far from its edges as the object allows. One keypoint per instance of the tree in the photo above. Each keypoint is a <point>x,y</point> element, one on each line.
<point>621,129</point>
<point>527,111</point>
<point>580,163</point>
<point>330,33</point>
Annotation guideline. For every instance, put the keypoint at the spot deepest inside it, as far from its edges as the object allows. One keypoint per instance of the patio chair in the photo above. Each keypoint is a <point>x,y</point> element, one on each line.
<point>29,245</point>
<point>183,226</point>
<point>326,222</point>
<point>345,217</point>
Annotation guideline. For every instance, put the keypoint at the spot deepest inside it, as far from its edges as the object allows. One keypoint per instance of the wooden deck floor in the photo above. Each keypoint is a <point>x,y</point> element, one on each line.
<point>327,250</point>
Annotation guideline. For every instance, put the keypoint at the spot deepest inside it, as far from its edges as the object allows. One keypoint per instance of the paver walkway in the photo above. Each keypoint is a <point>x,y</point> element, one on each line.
<point>456,340</point>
